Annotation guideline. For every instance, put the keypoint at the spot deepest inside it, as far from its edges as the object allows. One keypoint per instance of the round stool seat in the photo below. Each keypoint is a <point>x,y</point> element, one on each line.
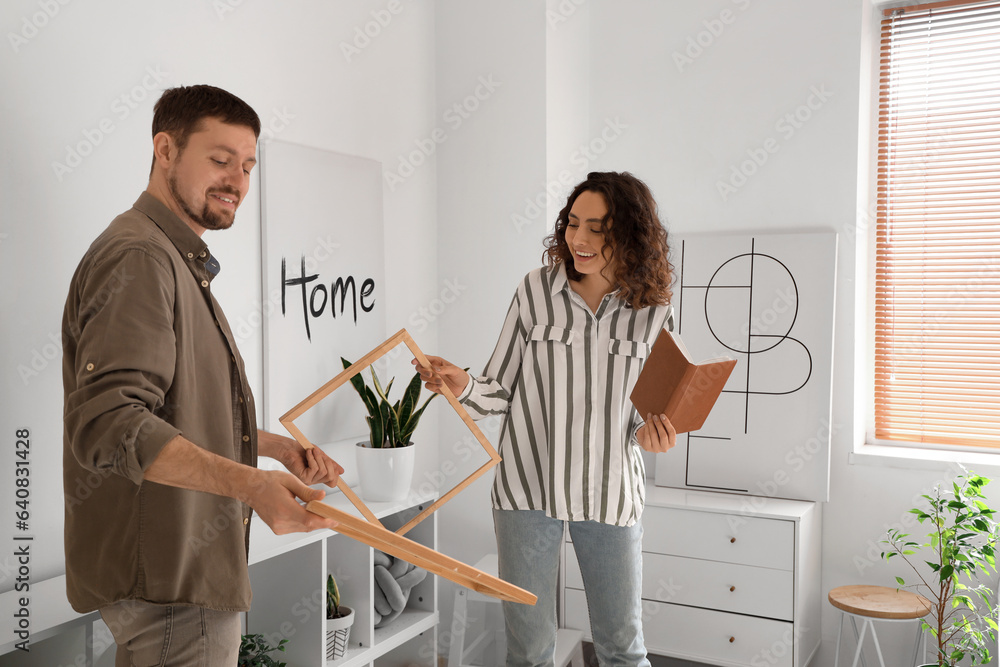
<point>879,602</point>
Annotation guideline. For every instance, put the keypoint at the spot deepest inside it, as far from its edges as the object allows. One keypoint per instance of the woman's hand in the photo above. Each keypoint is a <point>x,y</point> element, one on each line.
<point>442,372</point>
<point>657,434</point>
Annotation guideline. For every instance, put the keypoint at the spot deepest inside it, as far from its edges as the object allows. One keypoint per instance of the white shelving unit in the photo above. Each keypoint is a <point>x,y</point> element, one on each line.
<point>288,576</point>
<point>51,615</point>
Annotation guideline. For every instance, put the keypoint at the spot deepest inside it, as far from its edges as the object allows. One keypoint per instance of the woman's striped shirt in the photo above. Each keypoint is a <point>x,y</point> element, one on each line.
<point>561,375</point>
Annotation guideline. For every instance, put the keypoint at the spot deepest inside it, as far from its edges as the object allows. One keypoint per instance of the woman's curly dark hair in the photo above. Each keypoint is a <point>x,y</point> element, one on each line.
<point>636,239</point>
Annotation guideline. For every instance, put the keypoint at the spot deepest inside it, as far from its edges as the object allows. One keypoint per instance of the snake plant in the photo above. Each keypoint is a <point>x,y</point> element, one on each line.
<point>390,424</point>
<point>332,598</point>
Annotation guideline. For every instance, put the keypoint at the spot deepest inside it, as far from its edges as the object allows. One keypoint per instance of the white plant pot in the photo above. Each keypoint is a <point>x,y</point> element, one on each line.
<point>338,633</point>
<point>385,473</point>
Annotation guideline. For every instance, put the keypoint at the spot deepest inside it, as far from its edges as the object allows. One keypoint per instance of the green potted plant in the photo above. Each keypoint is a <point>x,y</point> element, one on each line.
<point>961,543</point>
<point>254,650</point>
<point>339,619</point>
<point>385,462</point>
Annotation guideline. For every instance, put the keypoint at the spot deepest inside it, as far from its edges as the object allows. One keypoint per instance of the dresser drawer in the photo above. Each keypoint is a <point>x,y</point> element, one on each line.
<point>701,583</point>
<point>701,634</point>
<point>731,538</point>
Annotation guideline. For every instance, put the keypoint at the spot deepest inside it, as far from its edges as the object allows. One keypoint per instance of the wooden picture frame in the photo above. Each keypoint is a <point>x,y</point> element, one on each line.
<point>435,562</point>
<point>402,336</point>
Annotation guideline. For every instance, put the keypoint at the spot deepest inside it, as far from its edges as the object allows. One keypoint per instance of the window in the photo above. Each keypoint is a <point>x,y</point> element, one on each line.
<point>937,254</point>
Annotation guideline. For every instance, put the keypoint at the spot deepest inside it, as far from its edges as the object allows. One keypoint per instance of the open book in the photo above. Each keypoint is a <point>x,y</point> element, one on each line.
<point>671,384</point>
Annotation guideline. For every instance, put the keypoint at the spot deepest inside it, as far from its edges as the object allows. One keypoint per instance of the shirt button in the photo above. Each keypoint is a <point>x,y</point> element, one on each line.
<point>239,398</point>
<point>190,255</point>
<point>90,367</point>
<point>204,283</point>
<point>246,521</point>
<point>203,253</point>
<point>246,438</point>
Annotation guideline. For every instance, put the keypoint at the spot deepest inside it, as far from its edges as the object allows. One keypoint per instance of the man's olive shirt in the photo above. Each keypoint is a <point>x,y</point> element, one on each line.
<point>148,355</point>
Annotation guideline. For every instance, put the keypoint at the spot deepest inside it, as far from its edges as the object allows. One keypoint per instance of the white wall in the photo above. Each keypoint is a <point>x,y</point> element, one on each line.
<point>486,168</point>
<point>287,62</point>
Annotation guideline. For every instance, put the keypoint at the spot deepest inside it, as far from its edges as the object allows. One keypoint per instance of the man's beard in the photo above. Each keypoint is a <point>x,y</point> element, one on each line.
<point>207,218</point>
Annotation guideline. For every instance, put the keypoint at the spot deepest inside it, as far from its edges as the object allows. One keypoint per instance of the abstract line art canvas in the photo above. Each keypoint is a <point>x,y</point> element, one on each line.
<point>766,300</point>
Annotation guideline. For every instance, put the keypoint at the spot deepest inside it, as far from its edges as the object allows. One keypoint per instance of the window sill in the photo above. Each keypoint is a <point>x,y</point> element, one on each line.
<point>914,458</point>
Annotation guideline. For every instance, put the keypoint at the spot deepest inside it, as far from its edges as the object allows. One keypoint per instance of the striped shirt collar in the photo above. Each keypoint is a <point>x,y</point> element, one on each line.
<point>560,281</point>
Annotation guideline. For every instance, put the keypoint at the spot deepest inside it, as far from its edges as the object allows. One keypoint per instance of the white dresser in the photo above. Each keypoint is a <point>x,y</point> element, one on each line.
<point>727,579</point>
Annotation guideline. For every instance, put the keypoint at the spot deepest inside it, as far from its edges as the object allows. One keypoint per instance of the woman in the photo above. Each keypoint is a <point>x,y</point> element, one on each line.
<point>571,348</point>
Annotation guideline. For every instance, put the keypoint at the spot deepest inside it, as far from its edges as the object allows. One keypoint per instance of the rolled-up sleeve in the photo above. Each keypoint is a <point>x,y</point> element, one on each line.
<point>119,361</point>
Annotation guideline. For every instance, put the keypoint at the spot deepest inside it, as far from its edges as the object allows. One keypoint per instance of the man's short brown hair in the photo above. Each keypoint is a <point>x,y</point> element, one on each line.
<point>179,111</point>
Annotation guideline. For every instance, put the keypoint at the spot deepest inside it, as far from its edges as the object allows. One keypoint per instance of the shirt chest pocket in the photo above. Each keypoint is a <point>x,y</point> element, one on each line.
<point>549,333</point>
<point>629,348</point>
<point>550,354</point>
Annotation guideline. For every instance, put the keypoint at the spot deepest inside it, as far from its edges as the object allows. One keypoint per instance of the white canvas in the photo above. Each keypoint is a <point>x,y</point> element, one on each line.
<point>767,301</point>
<point>323,209</point>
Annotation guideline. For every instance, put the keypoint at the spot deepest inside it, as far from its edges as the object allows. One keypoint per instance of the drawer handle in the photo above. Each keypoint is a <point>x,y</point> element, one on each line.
<point>732,540</point>
<point>732,588</point>
<point>732,639</point>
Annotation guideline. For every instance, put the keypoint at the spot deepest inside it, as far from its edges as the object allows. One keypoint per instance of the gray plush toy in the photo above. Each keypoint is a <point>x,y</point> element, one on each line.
<point>393,580</point>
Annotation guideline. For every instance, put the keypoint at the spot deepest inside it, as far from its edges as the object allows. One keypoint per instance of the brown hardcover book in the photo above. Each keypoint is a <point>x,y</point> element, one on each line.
<point>671,384</point>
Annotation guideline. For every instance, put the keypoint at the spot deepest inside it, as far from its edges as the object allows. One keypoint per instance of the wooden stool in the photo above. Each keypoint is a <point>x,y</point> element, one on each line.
<point>879,603</point>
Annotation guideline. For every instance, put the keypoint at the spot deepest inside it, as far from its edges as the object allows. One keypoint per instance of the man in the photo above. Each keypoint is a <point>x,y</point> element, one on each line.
<point>160,437</point>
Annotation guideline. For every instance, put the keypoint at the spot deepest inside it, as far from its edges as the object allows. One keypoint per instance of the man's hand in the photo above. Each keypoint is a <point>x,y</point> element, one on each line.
<point>272,494</point>
<point>311,466</point>
<point>657,434</point>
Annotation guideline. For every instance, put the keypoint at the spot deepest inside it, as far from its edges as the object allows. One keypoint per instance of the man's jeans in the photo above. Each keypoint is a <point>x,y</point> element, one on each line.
<point>152,635</point>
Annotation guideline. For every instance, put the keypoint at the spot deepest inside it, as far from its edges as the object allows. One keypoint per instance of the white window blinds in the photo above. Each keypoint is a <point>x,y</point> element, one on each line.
<point>937,296</point>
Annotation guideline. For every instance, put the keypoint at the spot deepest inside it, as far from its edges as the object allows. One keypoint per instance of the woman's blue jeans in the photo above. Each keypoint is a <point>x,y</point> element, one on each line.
<point>610,558</point>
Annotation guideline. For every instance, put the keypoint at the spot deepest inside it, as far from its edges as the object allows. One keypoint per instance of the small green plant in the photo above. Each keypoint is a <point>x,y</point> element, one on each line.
<point>390,424</point>
<point>332,598</point>
<point>254,651</point>
<point>962,540</point>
